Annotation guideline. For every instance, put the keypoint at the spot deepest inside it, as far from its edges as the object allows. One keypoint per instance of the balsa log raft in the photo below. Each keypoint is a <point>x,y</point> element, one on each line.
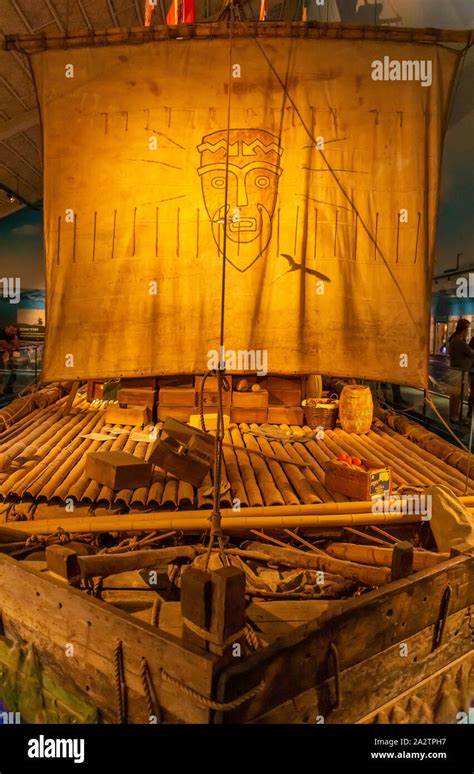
<point>42,461</point>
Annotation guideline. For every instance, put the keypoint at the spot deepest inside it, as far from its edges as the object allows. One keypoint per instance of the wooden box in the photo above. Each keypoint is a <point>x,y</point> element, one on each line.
<point>132,415</point>
<point>183,451</point>
<point>251,400</point>
<point>178,380</point>
<point>210,418</point>
<point>358,484</point>
<point>285,415</point>
<point>176,396</point>
<point>140,396</point>
<point>283,383</point>
<point>118,470</point>
<point>291,397</point>
<point>181,413</point>
<point>145,382</point>
<point>212,398</point>
<point>258,415</point>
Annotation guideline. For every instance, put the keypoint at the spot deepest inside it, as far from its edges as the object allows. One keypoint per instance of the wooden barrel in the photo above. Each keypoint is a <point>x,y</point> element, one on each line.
<point>356,408</point>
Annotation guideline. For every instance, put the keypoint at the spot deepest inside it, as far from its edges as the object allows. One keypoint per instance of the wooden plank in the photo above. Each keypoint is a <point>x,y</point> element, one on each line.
<point>50,615</point>
<point>389,675</point>
<point>364,627</point>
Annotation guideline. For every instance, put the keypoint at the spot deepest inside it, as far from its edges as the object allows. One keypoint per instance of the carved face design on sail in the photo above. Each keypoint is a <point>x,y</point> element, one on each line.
<point>254,169</point>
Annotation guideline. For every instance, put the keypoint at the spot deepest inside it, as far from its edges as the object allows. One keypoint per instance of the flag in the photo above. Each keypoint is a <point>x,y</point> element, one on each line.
<point>305,10</point>
<point>150,8</point>
<point>181,11</point>
<point>263,10</point>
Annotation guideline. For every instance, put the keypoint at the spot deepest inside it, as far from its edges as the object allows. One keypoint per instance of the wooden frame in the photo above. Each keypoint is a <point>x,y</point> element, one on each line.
<point>342,666</point>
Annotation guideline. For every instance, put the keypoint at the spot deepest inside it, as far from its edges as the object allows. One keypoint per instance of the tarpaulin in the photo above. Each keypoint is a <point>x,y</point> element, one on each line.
<point>333,179</point>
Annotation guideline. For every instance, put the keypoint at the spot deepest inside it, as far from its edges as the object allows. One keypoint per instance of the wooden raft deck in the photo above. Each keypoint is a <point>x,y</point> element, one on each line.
<point>42,463</point>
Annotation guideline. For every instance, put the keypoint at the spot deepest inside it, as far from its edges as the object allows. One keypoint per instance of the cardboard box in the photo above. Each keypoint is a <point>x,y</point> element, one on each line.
<point>118,470</point>
<point>176,396</point>
<point>258,400</point>
<point>291,397</point>
<point>258,415</point>
<point>132,415</point>
<point>358,484</point>
<point>140,396</point>
<point>285,415</point>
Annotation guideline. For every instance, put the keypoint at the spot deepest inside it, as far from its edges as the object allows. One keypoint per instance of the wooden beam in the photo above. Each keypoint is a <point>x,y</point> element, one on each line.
<point>205,30</point>
<point>19,123</point>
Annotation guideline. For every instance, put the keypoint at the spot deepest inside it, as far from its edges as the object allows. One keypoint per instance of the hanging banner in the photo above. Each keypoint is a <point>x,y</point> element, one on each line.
<point>332,154</point>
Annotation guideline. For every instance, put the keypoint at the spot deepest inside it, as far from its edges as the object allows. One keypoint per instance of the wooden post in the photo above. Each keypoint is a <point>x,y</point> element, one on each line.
<point>71,396</point>
<point>196,606</point>
<point>228,609</point>
<point>402,560</point>
<point>63,562</point>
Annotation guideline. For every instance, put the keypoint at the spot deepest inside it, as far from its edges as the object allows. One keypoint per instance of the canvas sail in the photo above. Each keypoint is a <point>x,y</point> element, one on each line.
<point>333,181</point>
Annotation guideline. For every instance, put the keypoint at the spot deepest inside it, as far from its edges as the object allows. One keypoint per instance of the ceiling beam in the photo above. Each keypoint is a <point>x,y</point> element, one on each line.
<point>19,123</point>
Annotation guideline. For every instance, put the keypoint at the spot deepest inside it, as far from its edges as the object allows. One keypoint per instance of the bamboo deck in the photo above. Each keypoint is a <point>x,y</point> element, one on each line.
<point>42,463</point>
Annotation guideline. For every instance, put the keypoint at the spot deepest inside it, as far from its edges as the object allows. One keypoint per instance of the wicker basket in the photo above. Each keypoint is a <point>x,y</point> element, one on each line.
<point>321,412</point>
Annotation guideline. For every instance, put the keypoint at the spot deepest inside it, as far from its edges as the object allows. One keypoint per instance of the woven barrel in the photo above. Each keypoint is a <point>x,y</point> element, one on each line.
<point>356,409</point>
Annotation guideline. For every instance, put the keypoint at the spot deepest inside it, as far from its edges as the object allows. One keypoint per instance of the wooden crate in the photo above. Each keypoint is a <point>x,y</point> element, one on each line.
<point>132,415</point>
<point>291,397</point>
<point>140,396</point>
<point>176,396</point>
<point>142,382</point>
<point>212,398</point>
<point>258,415</point>
<point>358,484</point>
<point>182,413</point>
<point>284,383</point>
<point>251,400</point>
<point>118,470</point>
<point>285,415</point>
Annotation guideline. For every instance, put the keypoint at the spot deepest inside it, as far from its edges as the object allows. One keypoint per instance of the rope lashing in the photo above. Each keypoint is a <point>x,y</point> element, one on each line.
<point>120,687</point>
<point>203,701</point>
<point>148,689</point>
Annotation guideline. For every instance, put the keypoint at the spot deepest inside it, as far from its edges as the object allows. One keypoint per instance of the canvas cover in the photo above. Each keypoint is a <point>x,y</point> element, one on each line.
<point>333,182</point>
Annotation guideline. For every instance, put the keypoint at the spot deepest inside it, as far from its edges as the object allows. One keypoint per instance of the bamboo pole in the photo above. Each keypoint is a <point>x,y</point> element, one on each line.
<point>196,523</point>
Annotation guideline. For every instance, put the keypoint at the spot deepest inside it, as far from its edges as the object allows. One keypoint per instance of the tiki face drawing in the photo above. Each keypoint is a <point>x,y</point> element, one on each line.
<point>254,169</point>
